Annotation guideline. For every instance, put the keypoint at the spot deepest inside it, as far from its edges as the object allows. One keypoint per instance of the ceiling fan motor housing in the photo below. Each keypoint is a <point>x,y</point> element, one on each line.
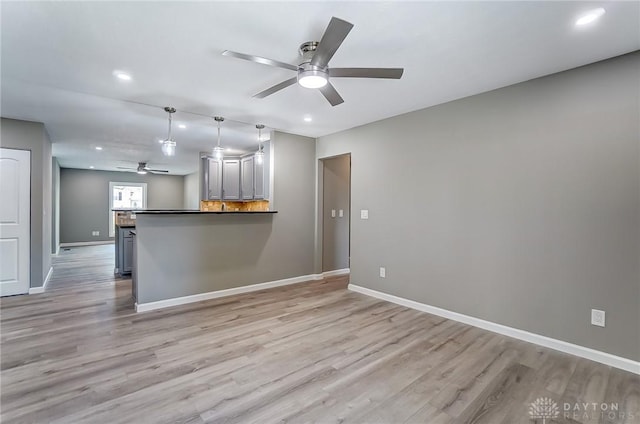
<point>307,50</point>
<point>305,68</point>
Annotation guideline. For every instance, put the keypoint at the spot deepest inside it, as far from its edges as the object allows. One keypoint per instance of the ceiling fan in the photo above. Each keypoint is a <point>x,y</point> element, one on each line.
<point>313,71</point>
<point>144,169</point>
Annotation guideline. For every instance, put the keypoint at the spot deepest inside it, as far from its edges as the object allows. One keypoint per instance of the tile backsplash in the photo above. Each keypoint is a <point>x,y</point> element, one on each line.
<point>125,218</point>
<point>216,205</point>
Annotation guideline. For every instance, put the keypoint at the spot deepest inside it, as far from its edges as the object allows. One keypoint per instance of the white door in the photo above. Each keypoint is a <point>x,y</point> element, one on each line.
<point>15,209</point>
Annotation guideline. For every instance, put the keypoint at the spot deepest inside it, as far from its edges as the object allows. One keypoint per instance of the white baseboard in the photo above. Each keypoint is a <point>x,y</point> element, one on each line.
<point>36,290</point>
<point>150,306</point>
<point>87,243</point>
<point>562,346</point>
<point>335,272</point>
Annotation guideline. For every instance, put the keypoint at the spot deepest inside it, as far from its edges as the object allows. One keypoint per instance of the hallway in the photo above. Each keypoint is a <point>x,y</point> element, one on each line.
<point>83,265</point>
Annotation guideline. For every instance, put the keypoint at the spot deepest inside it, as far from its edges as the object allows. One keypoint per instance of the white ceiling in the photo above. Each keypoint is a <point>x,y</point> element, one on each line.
<point>58,59</point>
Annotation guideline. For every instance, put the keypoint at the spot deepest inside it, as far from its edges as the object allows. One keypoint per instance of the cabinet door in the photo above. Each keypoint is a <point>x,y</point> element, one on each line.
<point>214,179</point>
<point>247,178</point>
<point>128,254</point>
<point>231,179</point>
<point>258,180</point>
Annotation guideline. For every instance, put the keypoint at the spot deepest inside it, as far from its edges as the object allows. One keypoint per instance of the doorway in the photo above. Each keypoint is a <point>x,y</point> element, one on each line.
<point>15,215</point>
<point>336,212</point>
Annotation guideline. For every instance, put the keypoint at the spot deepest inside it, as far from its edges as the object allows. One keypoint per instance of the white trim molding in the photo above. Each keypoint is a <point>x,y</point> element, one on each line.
<point>562,346</point>
<point>335,273</point>
<point>150,306</point>
<point>36,290</point>
<point>86,243</point>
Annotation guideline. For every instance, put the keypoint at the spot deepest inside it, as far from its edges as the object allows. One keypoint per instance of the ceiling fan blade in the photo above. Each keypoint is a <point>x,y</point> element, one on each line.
<point>391,73</point>
<point>122,167</point>
<point>277,87</point>
<point>331,94</point>
<point>333,37</point>
<point>156,170</point>
<point>259,59</point>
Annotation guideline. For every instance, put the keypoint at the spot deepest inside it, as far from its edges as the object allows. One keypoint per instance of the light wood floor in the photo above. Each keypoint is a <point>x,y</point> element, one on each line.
<point>312,352</point>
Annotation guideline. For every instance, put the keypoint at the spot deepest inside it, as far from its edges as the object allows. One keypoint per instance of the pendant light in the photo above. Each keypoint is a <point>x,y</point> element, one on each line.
<point>168,145</point>
<point>218,151</point>
<point>259,155</point>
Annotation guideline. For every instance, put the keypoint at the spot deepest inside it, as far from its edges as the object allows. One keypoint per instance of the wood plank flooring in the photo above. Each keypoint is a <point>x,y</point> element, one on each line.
<point>312,352</point>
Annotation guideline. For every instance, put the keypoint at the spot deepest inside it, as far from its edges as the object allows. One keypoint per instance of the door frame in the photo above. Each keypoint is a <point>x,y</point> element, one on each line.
<point>320,210</point>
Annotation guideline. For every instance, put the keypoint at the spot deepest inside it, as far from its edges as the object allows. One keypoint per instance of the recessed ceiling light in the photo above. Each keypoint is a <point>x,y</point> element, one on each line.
<point>122,75</point>
<point>91,167</point>
<point>590,16</point>
<point>307,119</point>
<point>98,148</point>
<point>182,126</point>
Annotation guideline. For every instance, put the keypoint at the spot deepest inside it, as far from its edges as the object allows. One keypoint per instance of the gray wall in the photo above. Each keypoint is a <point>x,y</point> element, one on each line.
<point>520,206</point>
<point>25,135</point>
<point>84,200</point>
<point>55,206</point>
<point>213,252</point>
<point>335,231</point>
<point>192,191</point>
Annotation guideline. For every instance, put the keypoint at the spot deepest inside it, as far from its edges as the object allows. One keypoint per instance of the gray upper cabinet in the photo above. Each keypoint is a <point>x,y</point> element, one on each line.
<point>231,179</point>
<point>253,179</point>
<point>234,179</point>
<point>212,184</point>
<point>259,186</point>
<point>247,178</point>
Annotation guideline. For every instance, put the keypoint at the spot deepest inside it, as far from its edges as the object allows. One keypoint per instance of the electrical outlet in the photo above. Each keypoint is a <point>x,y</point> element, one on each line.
<point>383,272</point>
<point>364,214</point>
<point>95,233</point>
<point>597,317</point>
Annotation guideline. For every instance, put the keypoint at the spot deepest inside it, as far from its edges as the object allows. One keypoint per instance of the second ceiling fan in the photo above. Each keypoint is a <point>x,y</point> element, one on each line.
<point>314,71</point>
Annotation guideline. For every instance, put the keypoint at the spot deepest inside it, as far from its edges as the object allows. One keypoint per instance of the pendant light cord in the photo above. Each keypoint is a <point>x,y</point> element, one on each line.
<point>169,138</point>
<point>218,133</point>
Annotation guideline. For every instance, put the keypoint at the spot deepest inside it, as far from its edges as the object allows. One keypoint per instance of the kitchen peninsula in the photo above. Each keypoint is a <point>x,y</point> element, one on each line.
<point>185,252</point>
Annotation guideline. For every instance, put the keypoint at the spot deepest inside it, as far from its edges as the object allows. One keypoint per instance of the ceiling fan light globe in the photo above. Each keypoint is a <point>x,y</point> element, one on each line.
<point>169,148</point>
<point>313,78</point>
<point>142,172</point>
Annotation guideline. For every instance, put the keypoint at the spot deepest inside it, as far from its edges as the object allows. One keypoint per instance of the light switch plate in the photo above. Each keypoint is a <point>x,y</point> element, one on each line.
<point>364,214</point>
<point>597,317</point>
<point>383,272</point>
<point>333,213</point>
<point>340,213</point>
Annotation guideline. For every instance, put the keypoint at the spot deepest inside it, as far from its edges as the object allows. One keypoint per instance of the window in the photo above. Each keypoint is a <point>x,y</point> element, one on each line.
<point>125,196</point>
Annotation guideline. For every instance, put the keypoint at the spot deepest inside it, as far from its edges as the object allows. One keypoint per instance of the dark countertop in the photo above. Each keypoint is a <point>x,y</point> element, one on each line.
<point>126,226</point>
<point>197,212</point>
